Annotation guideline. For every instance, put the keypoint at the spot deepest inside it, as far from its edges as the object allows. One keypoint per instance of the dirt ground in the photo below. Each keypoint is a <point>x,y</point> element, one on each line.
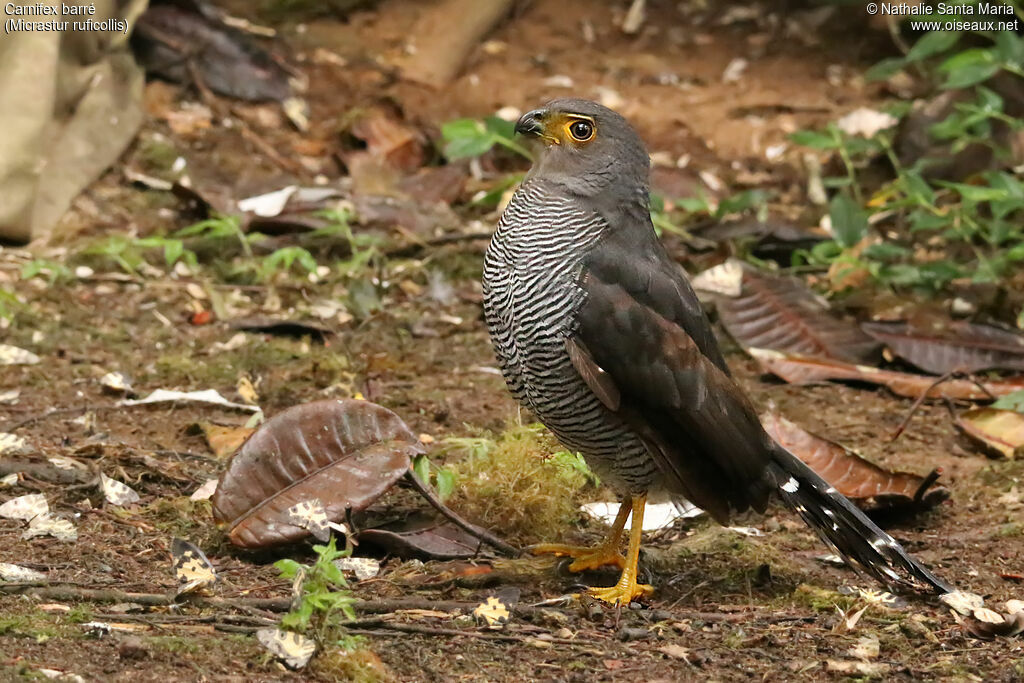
<point>727,606</point>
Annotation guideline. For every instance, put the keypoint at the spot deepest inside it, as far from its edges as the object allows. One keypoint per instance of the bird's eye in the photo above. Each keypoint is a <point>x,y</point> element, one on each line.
<point>581,131</point>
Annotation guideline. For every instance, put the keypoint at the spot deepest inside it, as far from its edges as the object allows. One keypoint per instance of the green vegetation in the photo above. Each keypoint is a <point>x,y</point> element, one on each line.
<point>519,466</point>
<point>919,230</point>
<point>324,602</point>
<point>466,138</point>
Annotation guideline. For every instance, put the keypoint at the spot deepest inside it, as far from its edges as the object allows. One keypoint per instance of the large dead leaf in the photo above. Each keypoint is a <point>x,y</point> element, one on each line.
<point>780,313</point>
<point>799,369</point>
<point>344,453</point>
<point>423,539</point>
<point>1000,431</point>
<point>955,346</point>
<point>859,480</point>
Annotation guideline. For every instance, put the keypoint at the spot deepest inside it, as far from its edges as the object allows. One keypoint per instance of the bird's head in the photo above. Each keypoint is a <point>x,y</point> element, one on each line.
<point>586,147</point>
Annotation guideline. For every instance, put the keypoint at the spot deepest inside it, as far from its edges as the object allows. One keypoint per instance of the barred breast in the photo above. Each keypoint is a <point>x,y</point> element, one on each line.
<point>531,296</point>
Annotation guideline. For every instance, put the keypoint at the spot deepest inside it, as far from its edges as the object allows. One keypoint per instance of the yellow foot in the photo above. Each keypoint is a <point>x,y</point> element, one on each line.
<point>584,558</point>
<point>622,593</point>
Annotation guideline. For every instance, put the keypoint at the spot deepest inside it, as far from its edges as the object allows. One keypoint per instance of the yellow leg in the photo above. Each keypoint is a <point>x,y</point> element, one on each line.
<point>592,558</point>
<point>627,589</point>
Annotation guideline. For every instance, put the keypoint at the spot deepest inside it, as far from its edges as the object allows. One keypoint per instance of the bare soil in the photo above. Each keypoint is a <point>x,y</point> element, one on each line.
<point>727,606</point>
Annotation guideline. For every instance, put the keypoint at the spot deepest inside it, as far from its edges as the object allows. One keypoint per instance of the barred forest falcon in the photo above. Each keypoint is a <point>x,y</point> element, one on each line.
<point>599,334</point>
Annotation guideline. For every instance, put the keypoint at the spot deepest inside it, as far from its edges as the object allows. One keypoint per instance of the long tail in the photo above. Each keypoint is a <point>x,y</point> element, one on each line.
<point>848,530</point>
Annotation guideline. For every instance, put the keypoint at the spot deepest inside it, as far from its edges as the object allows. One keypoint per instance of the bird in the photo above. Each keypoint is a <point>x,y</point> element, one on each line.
<point>599,334</point>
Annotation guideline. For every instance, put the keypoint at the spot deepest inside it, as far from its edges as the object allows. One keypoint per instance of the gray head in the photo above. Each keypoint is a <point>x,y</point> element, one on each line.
<point>588,149</point>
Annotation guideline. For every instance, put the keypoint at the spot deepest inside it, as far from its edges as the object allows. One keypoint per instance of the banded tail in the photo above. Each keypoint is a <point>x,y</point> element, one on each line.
<point>847,530</point>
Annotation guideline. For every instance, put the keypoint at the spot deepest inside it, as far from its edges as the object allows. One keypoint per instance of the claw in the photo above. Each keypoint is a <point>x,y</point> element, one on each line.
<point>622,593</point>
<point>584,558</point>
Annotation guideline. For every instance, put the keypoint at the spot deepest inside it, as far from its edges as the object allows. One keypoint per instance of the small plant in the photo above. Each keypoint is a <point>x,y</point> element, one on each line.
<point>442,478</point>
<point>282,260</point>
<point>468,138</point>
<point>324,602</point>
<point>916,230</point>
<point>220,226</point>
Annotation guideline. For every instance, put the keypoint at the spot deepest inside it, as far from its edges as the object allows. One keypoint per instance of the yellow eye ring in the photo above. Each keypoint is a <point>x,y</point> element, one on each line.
<point>580,130</point>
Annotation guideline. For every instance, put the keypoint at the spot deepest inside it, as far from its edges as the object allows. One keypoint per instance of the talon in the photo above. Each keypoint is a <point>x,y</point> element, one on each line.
<point>584,558</point>
<point>622,593</point>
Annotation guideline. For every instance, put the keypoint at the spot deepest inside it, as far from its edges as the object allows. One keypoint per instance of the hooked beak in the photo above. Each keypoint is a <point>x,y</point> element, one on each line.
<point>531,123</point>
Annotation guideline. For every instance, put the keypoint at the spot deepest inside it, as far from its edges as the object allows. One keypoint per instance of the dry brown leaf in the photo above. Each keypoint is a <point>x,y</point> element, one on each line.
<point>856,478</point>
<point>224,440</point>
<point>344,453</point>
<point>1000,431</point>
<point>954,346</point>
<point>796,368</point>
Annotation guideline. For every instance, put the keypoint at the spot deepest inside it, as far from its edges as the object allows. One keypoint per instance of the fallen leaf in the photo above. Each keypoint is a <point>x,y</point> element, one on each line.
<point>857,667</point>
<point>862,481</point>
<point>205,492</point>
<point>1000,431</point>
<point>25,507</point>
<point>956,346</point>
<point>293,649</point>
<point>12,355</point>
<point>782,314</point>
<point>205,396</point>
<point>224,440</point>
<point>800,369</point>
<point>116,492</point>
<point>284,328</point>
<point>345,453</point>
<point>423,539</point>
<point>192,569</point>
<point>9,480</point>
<point>247,391</point>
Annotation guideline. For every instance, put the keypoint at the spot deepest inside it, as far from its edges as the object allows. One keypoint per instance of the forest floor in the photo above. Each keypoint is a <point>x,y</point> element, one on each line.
<point>727,606</point>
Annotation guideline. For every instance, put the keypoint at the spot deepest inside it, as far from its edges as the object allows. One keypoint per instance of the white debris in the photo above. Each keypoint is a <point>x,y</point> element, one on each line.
<point>61,675</point>
<point>270,204</point>
<point>866,122</point>
<point>206,491</point>
<point>19,574</point>
<point>734,70</point>
<point>559,81</point>
<point>656,515</point>
<point>297,111</point>
<point>116,382</point>
<point>293,649</point>
<point>634,17</point>
<point>47,524</point>
<point>205,396</point>
<point>11,443</point>
<point>746,530</point>
<point>363,567</point>
<point>25,507</point>
<point>725,279</point>
<point>509,113</point>
<point>9,480</point>
<point>12,355</point>
<point>10,396</point>
<point>116,492</point>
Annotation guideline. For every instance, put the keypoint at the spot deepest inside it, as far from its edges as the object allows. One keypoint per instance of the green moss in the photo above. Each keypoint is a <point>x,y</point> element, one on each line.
<point>820,599</point>
<point>512,483</point>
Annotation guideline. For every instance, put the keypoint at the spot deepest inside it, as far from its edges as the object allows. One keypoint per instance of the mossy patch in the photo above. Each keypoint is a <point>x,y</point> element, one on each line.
<point>513,483</point>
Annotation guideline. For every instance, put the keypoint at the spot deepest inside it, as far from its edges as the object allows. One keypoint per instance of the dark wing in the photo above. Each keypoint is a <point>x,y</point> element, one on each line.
<point>643,340</point>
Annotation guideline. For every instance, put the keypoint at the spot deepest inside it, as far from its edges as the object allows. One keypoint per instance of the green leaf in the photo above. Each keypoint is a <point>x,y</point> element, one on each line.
<point>978,193</point>
<point>501,127</point>
<point>814,139</point>
<point>969,67</point>
<point>1010,47</point>
<point>421,468</point>
<point>288,568</point>
<point>445,483</point>
<point>886,251</point>
<point>931,44</point>
<point>173,250</point>
<point>885,69</point>
<point>849,222</point>
<point>1014,401</point>
<point>466,138</point>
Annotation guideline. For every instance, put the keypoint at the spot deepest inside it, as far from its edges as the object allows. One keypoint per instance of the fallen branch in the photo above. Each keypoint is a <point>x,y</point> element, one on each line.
<point>475,531</point>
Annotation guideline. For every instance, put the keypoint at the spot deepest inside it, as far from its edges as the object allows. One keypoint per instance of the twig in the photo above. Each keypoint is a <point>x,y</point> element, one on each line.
<point>917,405</point>
<point>484,535</point>
<point>926,483</point>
